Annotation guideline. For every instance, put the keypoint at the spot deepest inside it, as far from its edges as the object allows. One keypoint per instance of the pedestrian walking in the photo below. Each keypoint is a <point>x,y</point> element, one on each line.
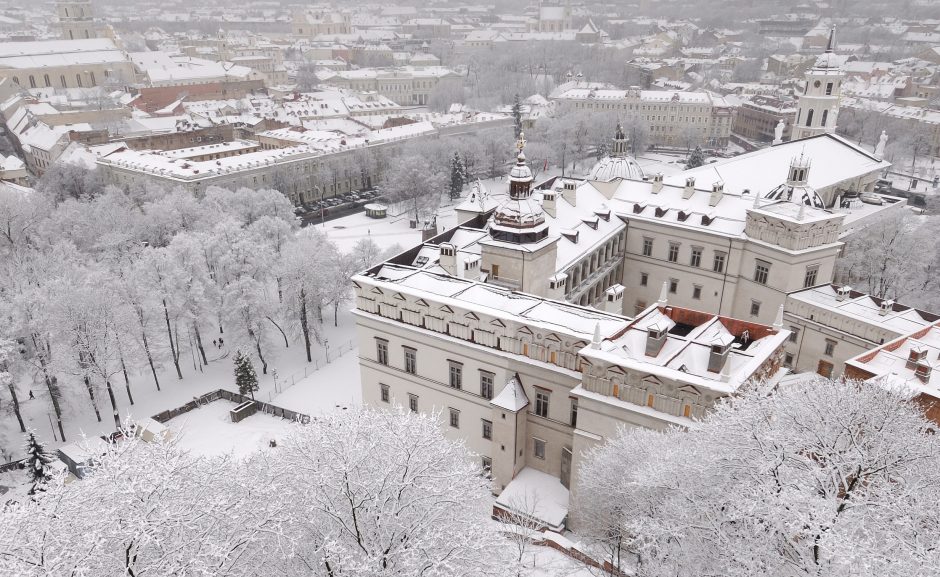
<point>221,343</point>
<point>215,343</point>
<point>31,395</point>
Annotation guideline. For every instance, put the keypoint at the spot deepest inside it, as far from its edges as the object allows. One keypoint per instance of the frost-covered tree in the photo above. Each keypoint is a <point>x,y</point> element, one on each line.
<point>246,379</point>
<point>7,348</point>
<point>456,177</point>
<point>822,478</point>
<point>37,463</point>
<point>696,158</point>
<point>384,493</point>
<point>417,185</point>
<point>517,115</point>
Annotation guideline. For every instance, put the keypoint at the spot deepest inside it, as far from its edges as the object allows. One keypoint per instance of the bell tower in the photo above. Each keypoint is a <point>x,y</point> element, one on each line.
<point>819,104</point>
<point>76,19</point>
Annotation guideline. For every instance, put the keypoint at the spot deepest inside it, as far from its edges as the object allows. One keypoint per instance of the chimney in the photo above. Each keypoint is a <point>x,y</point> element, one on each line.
<point>917,355</point>
<point>922,372</point>
<point>548,202</point>
<point>689,188</point>
<point>448,258</point>
<point>718,190</point>
<point>570,192</point>
<point>656,338</point>
<point>886,307</point>
<point>657,182</point>
<point>557,284</point>
<point>614,301</point>
<point>663,295</point>
<point>843,292</point>
<point>596,340</point>
<point>718,355</point>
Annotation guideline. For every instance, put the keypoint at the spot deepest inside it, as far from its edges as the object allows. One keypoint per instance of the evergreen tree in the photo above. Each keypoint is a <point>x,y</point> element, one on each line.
<point>457,177</point>
<point>245,376</point>
<point>517,115</point>
<point>37,462</point>
<point>696,159</point>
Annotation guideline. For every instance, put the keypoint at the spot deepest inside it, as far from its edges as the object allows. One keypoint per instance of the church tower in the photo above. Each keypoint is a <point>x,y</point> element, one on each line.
<point>76,19</point>
<point>819,103</point>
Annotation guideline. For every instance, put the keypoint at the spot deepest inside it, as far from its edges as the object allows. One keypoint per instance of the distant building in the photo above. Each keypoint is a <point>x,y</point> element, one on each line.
<point>310,23</point>
<point>65,64</point>
<point>756,119</point>
<point>406,85</point>
<point>674,118</point>
<point>76,19</point>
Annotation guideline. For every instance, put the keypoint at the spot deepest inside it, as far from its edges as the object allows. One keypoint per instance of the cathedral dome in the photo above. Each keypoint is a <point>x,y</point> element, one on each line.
<point>800,193</point>
<point>612,167</point>
<point>619,164</point>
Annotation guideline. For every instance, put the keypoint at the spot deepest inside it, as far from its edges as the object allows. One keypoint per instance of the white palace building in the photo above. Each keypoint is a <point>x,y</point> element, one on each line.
<point>552,316</point>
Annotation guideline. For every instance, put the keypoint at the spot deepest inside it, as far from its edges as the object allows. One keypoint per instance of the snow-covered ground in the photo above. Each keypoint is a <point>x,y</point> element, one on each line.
<point>210,432</point>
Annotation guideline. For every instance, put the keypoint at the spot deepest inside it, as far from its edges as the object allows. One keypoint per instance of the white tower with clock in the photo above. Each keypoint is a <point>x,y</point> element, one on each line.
<point>819,103</point>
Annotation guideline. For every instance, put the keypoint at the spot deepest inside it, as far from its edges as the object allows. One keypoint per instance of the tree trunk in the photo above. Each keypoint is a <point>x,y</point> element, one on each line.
<point>202,351</point>
<point>264,364</point>
<point>114,409</point>
<point>303,323</point>
<point>16,404</point>
<point>153,370</point>
<point>336,314</point>
<point>127,382</point>
<point>51,385</point>
<point>91,395</point>
<point>173,347</point>
<point>283,334</point>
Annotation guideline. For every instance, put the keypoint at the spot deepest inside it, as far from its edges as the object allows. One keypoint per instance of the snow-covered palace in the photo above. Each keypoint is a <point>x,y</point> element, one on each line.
<point>553,315</point>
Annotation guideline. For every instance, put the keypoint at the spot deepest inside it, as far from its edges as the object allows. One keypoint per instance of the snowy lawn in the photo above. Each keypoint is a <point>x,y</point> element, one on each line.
<point>310,395</point>
<point>210,432</point>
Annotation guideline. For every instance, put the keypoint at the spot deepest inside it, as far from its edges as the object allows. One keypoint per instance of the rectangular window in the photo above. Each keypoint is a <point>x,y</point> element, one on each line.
<point>673,252</point>
<point>812,272</point>
<point>411,360</point>
<point>696,259</point>
<point>413,403</point>
<point>755,308</point>
<point>538,448</point>
<point>788,360</point>
<point>644,279</point>
<point>487,429</point>
<point>697,292</point>
<point>647,247</point>
<point>719,264</point>
<point>455,418</point>
<point>673,285</point>
<point>494,271</point>
<point>541,403</point>
<point>830,347</point>
<point>486,384</point>
<point>794,334</point>
<point>761,272</point>
<point>384,393</point>
<point>487,464</point>
<point>456,375</point>
<point>381,351</point>
<point>574,413</point>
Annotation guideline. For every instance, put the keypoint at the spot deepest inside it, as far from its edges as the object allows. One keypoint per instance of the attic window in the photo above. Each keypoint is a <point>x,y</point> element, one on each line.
<point>571,235</point>
<point>638,208</point>
<point>591,222</point>
<point>421,261</point>
<point>660,212</point>
<point>683,215</point>
<point>706,220</point>
<point>604,214</point>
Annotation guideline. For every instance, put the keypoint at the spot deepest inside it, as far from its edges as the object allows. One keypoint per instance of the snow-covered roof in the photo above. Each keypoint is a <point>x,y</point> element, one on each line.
<point>512,397</point>
<point>859,307</point>
<point>892,363</point>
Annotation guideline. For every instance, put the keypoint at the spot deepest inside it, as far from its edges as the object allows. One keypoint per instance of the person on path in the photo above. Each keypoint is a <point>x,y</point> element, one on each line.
<point>31,395</point>
<point>215,343</point>
<point>221,343</point>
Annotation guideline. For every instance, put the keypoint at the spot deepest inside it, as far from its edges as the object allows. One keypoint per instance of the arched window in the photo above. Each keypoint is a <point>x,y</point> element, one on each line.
<point>78,80</point>
<point>32,81</point>
<point>92,75</point>
<point>809,118</point>
<point>48,82</point>
<point>825,116</point>
<point>62,80</point>
<point>16,80</point>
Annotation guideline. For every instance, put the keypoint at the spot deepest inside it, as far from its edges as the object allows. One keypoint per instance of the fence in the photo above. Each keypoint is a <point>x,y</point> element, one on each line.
<point>12,465</point>
<point>281,385</point>
<point>235,398</point>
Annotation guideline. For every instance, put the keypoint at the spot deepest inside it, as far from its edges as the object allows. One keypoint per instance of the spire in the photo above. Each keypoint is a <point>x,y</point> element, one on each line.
<point>663,295</point>
<point>520,177</point>
<point>620,142</point>
<point>832,38</point>
<point>596,341</point>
